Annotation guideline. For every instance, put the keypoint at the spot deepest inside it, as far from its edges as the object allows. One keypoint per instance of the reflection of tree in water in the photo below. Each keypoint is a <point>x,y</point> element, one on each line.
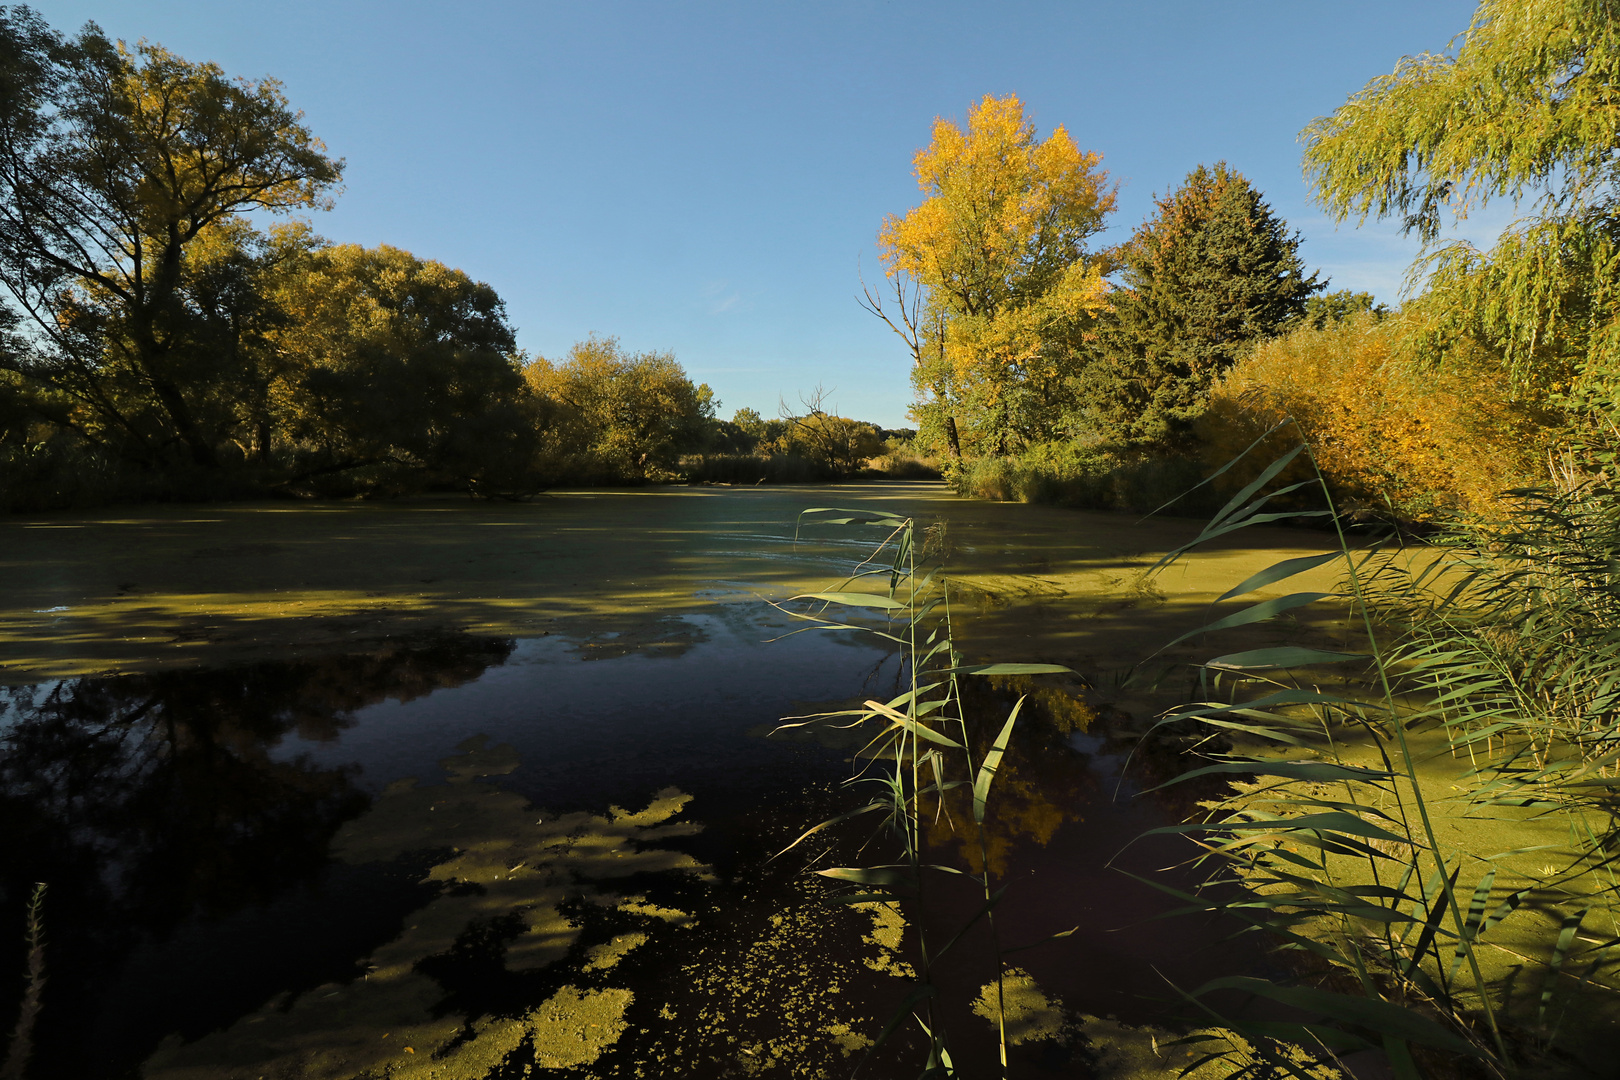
<point>145,800</point>
<point>1039,786</point>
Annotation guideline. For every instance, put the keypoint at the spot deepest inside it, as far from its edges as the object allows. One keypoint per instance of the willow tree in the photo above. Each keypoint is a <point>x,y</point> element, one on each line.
<point>114,162</point>
<point>993,285</point>
<point>1526,109</point>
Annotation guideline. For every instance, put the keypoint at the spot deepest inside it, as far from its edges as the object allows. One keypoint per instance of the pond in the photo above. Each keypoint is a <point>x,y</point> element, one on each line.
<point>454,853</point>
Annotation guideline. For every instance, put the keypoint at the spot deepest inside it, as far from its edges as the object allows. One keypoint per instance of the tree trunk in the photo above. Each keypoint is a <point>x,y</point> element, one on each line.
<point>202,451</point>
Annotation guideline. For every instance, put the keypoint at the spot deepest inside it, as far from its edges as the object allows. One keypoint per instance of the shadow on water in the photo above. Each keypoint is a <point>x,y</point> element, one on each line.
<point>552,852</point>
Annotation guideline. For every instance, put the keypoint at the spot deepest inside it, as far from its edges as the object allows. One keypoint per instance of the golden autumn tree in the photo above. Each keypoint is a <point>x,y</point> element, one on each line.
<point>991,284</point>
<point>1387,428</point>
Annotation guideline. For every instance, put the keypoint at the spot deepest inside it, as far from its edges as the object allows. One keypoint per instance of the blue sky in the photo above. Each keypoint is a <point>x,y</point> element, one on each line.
<point>706,177</point>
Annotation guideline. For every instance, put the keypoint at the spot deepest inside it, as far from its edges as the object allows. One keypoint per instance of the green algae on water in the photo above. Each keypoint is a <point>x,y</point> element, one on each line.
<point>507,865</point>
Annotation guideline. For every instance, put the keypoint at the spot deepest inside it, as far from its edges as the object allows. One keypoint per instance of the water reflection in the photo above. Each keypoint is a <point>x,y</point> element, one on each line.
<point>198,832</point>
<point>474,974</point>
<point>278,871</point>
<point>149,800</point>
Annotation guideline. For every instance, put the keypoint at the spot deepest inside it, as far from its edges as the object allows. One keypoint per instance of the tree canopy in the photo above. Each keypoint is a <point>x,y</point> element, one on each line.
<point>114,163</point>
<point>1526,108</point>
<point>386,359</point>
<point>1210,272</point>
<point>635,413</point>
<point>993,283</point>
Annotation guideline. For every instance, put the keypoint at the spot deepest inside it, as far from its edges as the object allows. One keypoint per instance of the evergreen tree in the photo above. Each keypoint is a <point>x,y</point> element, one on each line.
<point>1210,272</point>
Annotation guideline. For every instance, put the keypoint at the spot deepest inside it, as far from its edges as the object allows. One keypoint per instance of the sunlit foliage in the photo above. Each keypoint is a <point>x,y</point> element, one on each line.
<point>633,414</point>
<point>388,362</point>
<point>1327,309</point>
<point>1006,288</point>
<point>746,432</point>
<point>838,444</point>
<point>1389,431</point>
<point>114,163</point>
<point>1526,108</point>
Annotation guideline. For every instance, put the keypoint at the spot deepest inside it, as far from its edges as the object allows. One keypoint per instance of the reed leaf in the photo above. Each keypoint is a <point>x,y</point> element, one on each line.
<point>1279,572</point>
<point>1384,1017</point>
<point>1282,656</point>
<point>854,599</point>
<point>1293,770</point>
<point>992,762</point>
<point>1260,612</point>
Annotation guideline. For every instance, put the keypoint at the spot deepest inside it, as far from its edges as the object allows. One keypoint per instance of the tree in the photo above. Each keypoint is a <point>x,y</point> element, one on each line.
<point>993,287</point>
<point>114,163</point>
<point>633,412</point>
<point>387,360</point>
<point>1212,271</point>
<point>840,445</point>
<point>1524,109</point>
<point>1330,309</point>
<point>745,433</point>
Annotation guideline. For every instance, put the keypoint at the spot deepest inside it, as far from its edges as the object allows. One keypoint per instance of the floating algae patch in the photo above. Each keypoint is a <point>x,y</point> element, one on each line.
<point>888,930</point>
<point>782,990</point>
<point>606,955</point>
<point>513,876</point>
<point>574,1027</point>
<point>1116,1051</point>
<point>1110,1050</point>
<point>1028,1013</point>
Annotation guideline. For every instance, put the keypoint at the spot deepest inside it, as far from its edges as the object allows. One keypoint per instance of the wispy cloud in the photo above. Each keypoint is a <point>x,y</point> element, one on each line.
<point>721,298</point>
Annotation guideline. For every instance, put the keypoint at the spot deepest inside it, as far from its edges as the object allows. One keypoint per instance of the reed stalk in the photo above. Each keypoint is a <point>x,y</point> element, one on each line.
<point>22,1035</point>
<point>1389,940</point>
<point>912,733</point>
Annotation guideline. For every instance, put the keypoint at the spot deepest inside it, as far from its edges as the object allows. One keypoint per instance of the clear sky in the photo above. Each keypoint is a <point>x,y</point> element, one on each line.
<point>706,177</point>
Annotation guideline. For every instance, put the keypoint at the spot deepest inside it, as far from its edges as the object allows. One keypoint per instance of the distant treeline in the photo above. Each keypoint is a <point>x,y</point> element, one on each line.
<point>159,345</point>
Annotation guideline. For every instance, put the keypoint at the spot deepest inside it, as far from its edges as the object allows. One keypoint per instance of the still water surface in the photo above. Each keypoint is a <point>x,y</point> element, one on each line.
<point>488,857</point>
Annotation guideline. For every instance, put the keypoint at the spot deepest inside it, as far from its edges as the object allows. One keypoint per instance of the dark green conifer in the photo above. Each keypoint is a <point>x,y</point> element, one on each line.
<point>1212,271</point>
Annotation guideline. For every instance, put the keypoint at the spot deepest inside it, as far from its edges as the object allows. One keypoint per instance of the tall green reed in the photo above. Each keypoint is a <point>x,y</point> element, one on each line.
<point>920,746</point>
<point>1339,860</point>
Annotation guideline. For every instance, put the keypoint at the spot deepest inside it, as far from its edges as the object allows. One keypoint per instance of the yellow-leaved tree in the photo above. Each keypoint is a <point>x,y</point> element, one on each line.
<point>989,280</point>
<point>625,416</point>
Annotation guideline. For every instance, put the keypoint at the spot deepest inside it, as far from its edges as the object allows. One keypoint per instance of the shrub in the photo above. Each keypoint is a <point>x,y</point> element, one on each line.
<point>1087,477</point>
<point>753,469</point>
<point>900,460</point>
<point>1389,429</point>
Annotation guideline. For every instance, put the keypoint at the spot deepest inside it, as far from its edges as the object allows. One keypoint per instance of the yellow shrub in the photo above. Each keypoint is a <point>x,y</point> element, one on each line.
<point>1387,428</point>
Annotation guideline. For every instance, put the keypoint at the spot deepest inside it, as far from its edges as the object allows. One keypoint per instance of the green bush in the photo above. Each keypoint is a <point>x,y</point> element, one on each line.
<point>901,461</point>
<point>1087,477</point>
